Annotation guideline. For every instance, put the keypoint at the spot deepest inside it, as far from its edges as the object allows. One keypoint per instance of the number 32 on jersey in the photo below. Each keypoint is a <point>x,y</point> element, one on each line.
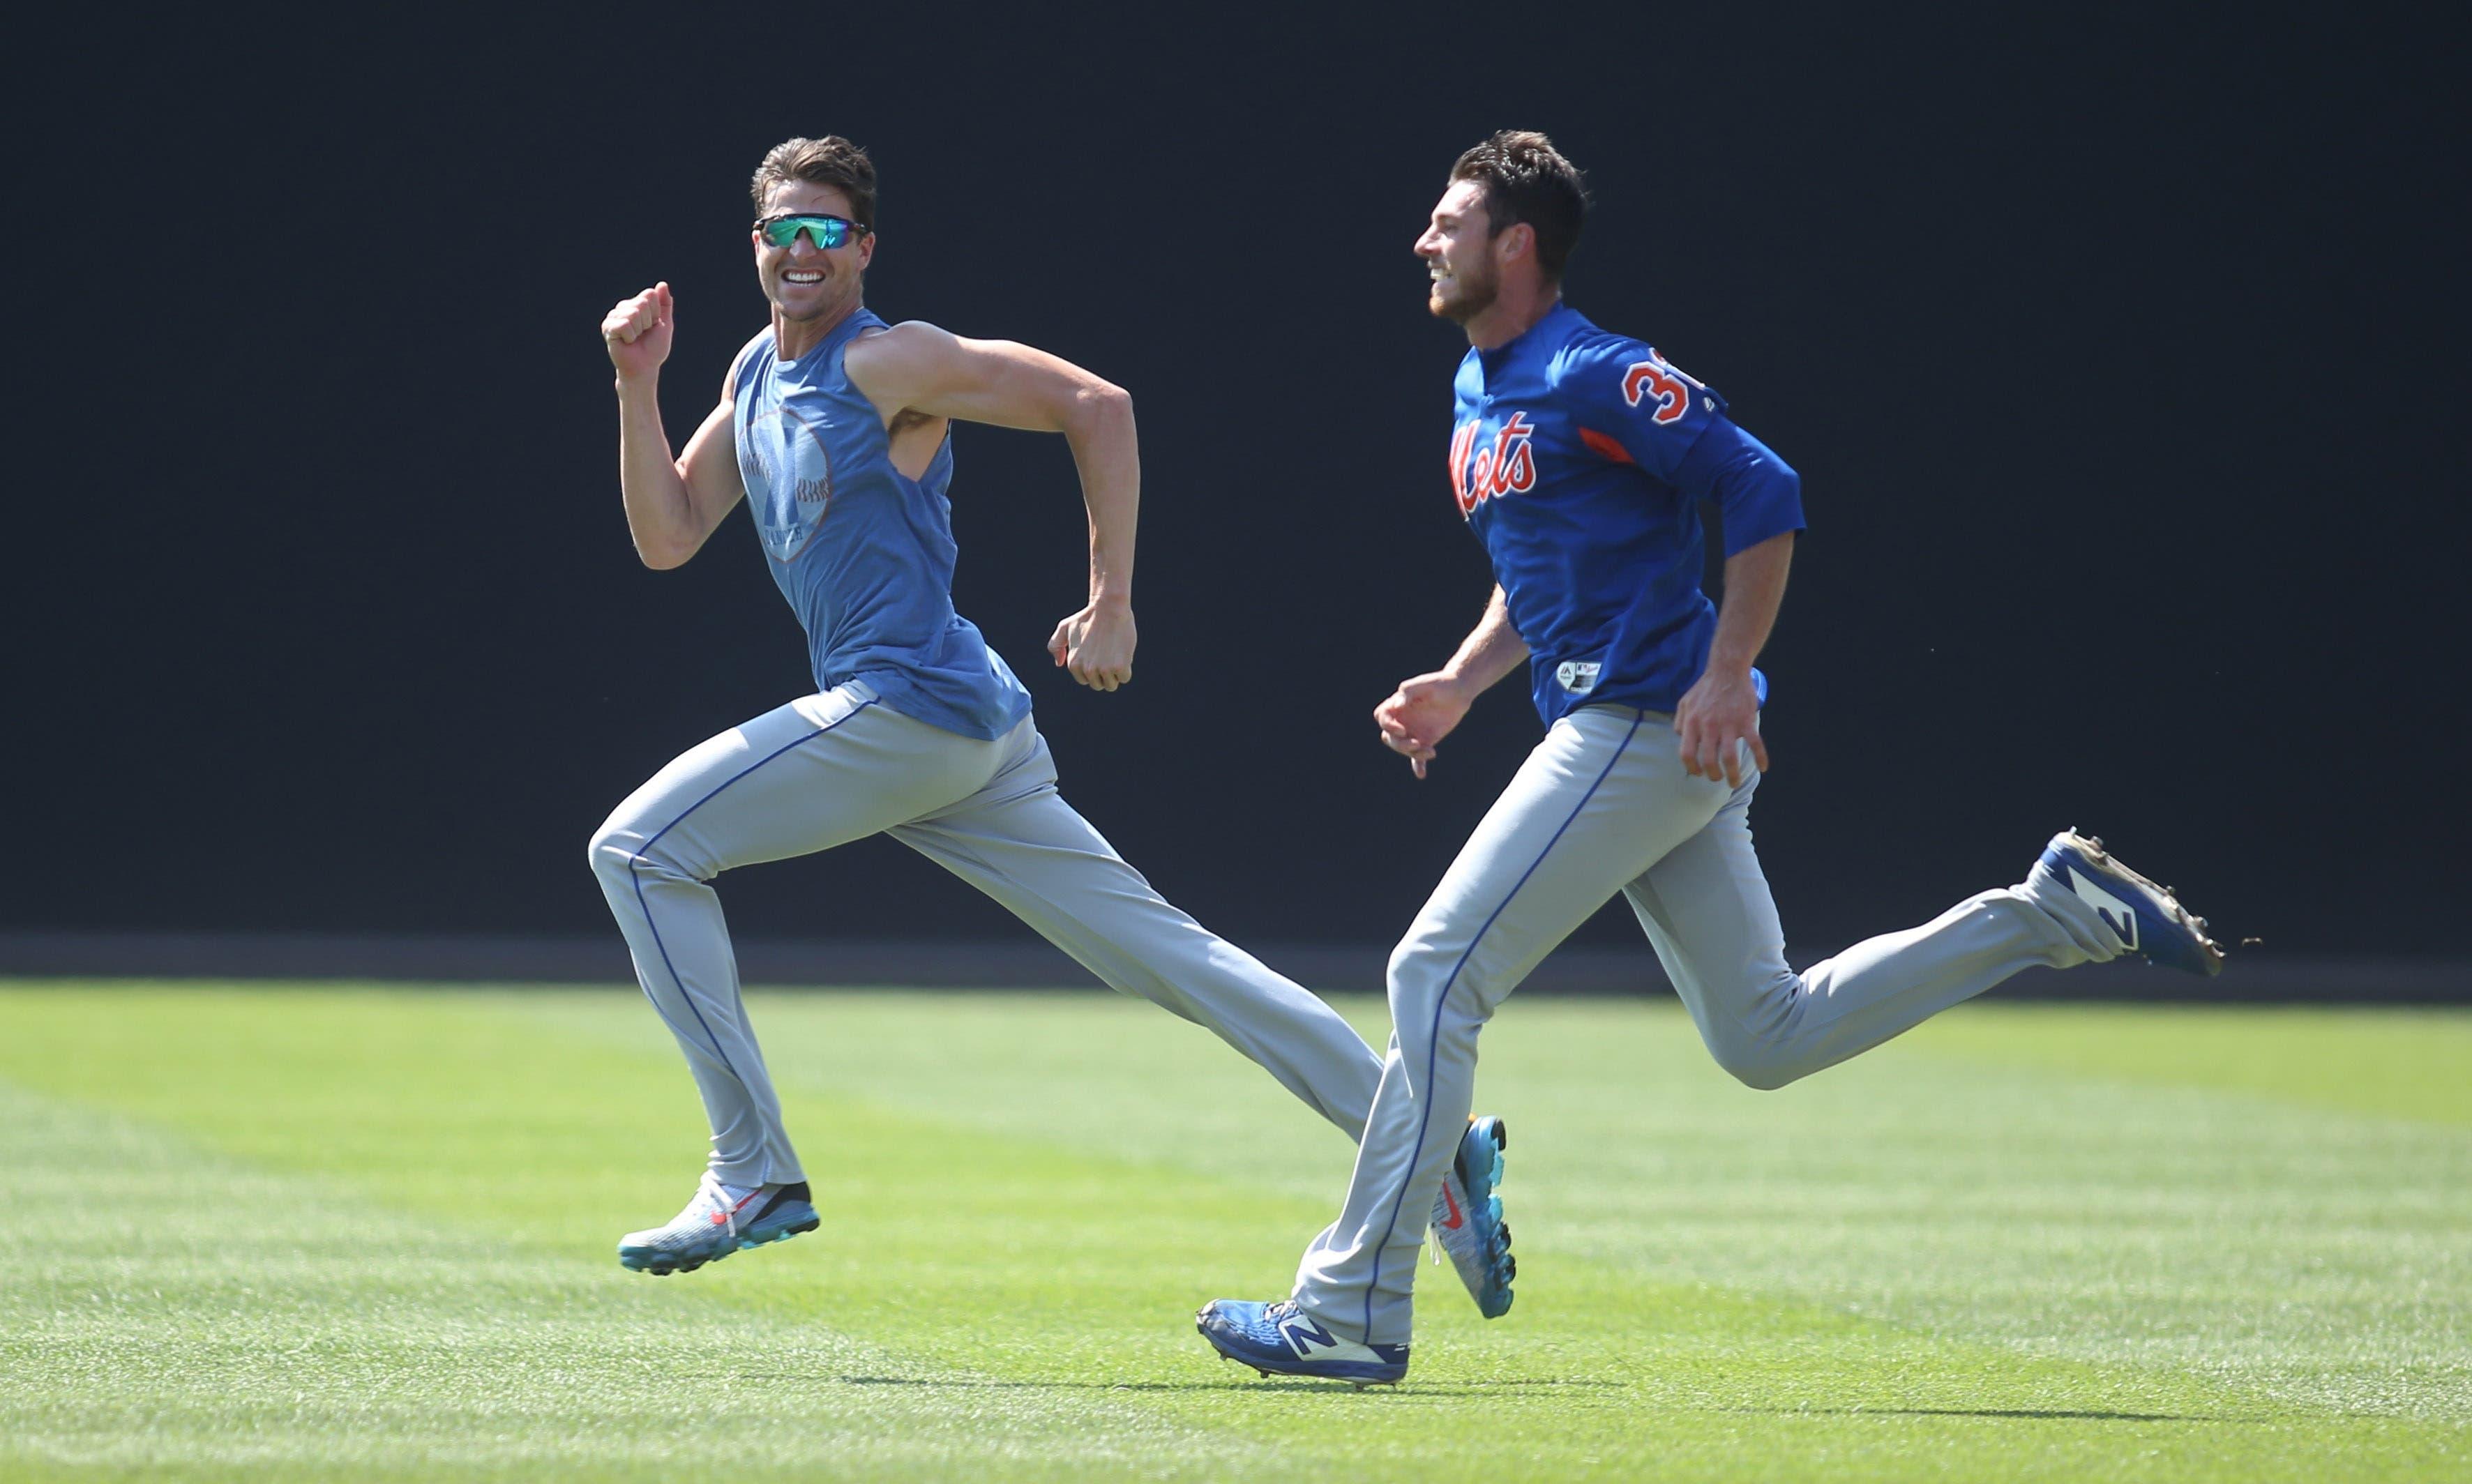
<point>1656,382</point>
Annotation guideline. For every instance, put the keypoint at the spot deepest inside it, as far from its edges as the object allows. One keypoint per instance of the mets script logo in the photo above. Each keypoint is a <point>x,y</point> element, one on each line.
<point>1505,466</point>
<point>1657,383</point>
<point>789,479</point>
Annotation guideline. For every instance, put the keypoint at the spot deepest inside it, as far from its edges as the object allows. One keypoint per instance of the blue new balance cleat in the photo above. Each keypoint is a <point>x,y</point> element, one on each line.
<point>1468,1224</point>
<point>2146,917</point>
<point>716,1224</point>
<point>1281,1339</point>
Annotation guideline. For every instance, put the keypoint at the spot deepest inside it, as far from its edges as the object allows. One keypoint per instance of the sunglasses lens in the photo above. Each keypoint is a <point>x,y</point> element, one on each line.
<point>825,232</point>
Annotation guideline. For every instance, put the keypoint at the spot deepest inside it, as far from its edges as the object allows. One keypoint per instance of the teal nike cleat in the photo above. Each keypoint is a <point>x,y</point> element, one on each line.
<point>1468,1224</point>
<point>715,1224</point>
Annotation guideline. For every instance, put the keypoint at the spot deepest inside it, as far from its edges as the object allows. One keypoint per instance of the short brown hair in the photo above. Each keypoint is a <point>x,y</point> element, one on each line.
<point>1527,179</point>
<point>831,161</point>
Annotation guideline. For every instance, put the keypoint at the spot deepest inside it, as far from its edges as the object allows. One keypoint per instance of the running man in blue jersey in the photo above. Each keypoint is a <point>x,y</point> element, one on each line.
<point>835,428</point>
<point>1579,457</point>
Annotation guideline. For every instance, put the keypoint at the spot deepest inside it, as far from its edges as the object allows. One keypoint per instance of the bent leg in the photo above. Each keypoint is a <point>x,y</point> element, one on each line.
<point>1707,909</point>
<point>1019,842</point>
<point>813,774</point>
<point>1586,813</point>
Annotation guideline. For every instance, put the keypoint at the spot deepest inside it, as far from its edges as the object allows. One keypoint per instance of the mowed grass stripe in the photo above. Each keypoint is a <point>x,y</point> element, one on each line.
<point>2381,1062</point>
<point>340,1247</point>
<point>2320,1255</point>
<point>1054,1329</point>
<point>214,1320</point>
<point>1043,1259</point>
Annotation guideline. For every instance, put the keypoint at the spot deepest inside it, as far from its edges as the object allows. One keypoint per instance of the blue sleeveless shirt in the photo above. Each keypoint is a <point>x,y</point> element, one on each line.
<point>864,553</point>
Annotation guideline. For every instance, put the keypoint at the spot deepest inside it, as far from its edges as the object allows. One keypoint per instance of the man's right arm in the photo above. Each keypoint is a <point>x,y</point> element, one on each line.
<point>1425,708</point>
<point>671,504</point>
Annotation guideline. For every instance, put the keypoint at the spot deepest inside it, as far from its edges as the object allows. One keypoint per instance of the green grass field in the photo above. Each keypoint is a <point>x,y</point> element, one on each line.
<point>293,1233</point>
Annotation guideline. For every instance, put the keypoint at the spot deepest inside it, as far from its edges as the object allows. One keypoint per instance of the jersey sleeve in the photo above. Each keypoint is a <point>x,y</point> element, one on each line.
<point>1636,407</point>
<point>1759,494</point>
<point>1633,406</point>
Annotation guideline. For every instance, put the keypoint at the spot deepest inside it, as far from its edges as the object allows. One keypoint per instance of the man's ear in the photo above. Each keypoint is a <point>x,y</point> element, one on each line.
<point>1518,240</point>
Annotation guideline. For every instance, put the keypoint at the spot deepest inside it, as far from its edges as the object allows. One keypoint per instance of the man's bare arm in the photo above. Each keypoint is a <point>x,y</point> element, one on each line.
<point>1424,709</point>
<point>1722,709</point>
<point>671,504</point>
<point>919,369</point>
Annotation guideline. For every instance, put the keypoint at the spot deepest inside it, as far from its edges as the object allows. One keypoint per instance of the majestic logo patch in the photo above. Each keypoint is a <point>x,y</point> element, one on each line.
<point>2115,914</point>
<point>1656,380</point>
<point>1578,676</point>
<point>1506,466</point>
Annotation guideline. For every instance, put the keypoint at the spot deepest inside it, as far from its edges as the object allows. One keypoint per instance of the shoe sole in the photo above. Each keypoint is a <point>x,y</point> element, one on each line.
<point>1485,1208</point>
<point>637,1259</point>
<point>1359,1374</point>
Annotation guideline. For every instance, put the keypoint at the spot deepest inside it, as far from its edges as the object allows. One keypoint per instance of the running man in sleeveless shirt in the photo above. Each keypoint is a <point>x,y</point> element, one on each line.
<point>835,429</point>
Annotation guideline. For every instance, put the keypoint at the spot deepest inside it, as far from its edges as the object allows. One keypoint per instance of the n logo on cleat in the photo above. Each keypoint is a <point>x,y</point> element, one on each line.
<point>1305,1336</point>
<point>2114,912</point>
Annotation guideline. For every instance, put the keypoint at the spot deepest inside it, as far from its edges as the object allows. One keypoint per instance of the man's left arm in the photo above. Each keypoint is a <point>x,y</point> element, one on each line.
<point>1722,709</point>
<point>1760,499</point>
<point>918,368</point>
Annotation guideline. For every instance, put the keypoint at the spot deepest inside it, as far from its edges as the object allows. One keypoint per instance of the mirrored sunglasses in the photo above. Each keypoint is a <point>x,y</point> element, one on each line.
<point>825,232</point>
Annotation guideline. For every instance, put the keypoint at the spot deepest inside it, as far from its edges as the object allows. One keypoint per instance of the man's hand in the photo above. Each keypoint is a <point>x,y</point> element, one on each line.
<point>1420,713</point>
<point>1718,714</point>
<point>637,333</point>
<point>1096,644</point>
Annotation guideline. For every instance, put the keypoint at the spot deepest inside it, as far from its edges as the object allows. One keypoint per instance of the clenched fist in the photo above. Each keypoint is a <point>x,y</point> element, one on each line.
<point>1095,646</point>
<point>637,332</point>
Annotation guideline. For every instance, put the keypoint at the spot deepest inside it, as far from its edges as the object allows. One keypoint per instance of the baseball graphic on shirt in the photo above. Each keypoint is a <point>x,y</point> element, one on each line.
<point>789,479</point>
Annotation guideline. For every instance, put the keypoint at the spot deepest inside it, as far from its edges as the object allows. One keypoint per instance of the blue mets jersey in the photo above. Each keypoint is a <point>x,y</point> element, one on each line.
<point>864,553</point>
<point>1579,457</point>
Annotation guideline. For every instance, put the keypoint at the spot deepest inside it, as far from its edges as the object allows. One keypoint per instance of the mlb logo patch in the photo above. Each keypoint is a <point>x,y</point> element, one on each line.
<point>1578,676</point>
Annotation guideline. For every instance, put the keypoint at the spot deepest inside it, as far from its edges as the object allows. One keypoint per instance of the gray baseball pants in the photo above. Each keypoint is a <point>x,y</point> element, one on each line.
<point>835,767</point>
<point>1602,805</point>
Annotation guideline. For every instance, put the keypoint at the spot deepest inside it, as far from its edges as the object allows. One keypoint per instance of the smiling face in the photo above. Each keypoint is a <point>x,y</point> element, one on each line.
<point>1459,247</point>
<point>806,282</point>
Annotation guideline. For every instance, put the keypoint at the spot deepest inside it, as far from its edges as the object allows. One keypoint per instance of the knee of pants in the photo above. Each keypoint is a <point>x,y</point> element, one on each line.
<point>1760,1056</point>
<point>1755,1070</point>
<point>1423,983</point>
<point>617,855</point>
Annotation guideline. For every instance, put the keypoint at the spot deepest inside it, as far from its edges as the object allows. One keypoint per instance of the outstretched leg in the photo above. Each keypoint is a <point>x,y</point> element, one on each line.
<point>1022,844</point>
<point>1707,909</point>
<point>815,773</point>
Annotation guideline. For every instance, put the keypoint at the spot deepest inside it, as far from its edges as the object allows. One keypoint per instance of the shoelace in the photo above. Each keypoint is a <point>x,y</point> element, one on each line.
<point>709,1188</point>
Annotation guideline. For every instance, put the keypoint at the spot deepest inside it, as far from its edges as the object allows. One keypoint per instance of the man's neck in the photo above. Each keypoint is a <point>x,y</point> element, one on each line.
<point>795,338</point>
<point>1512,315</point>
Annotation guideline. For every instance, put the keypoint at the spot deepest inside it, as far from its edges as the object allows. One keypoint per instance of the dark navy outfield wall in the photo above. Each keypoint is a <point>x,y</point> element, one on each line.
<point>2119,353</point>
